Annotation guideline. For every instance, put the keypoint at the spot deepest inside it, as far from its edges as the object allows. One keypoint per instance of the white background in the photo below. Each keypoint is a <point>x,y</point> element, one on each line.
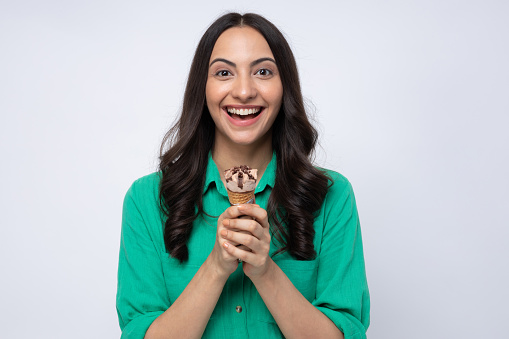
<point>411,99</point>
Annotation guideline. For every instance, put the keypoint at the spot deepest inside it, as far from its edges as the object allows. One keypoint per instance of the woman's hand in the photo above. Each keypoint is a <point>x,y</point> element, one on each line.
<point>224,262</point>
<point>253,234</point>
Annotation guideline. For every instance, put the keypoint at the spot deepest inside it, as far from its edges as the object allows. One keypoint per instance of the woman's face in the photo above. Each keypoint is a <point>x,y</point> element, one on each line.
<point>244,90</point>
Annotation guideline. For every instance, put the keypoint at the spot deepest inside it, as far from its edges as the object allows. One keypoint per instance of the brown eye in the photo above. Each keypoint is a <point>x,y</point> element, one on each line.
<point>223,73</point>
<point>264,72</point>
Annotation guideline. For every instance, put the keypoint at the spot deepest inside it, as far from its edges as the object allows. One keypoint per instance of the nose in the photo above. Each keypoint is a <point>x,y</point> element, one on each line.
<point>244,87</point>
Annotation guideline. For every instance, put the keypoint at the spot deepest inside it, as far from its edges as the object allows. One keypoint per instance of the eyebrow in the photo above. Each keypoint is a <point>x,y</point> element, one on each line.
<point>256,62</point>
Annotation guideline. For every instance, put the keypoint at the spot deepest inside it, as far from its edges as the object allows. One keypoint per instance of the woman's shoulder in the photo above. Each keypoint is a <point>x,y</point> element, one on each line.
<point>339,206</point>
<point>339,193</point>
<point>145,188</point>
<point>148,180</point>
<point>337,181</point>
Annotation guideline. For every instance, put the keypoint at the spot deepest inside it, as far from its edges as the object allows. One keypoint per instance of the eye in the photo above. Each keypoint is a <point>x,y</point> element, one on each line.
<point>223,73</point>
<point>264,72</point>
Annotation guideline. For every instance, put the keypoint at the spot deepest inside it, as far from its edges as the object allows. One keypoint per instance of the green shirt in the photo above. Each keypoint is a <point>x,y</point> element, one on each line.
<point>149,280</point>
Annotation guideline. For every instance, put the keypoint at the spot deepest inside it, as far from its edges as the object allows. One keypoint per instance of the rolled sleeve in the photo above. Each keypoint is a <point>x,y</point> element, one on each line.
<point>342,291</point>
<point>141,290</point>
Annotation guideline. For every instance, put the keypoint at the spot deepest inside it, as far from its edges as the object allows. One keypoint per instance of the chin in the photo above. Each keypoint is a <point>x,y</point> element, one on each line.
<point>243,142</point>
<point>249,139</point>
<point>243,139</point>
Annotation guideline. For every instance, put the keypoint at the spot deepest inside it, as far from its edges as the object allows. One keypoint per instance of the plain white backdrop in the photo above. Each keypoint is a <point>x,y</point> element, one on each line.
<point>411,99</point>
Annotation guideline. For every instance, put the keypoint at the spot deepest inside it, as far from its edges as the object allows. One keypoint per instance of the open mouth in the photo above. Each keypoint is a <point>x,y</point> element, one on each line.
<point>244,113</point>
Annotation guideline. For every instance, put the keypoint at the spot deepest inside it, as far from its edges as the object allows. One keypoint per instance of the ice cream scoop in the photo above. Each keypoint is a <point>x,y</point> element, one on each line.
<point>241,184</point>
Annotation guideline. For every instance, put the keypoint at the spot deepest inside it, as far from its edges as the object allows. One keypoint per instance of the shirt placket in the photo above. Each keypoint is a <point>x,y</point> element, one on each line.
<point>235,304</point>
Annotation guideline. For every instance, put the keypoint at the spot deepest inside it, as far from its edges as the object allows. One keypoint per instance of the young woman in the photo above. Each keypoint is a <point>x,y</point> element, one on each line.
<point>189,266</point>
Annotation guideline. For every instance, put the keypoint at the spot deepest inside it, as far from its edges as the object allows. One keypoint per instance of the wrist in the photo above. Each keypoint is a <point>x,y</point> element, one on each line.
<point>267,275</point>
<point>214,271</point>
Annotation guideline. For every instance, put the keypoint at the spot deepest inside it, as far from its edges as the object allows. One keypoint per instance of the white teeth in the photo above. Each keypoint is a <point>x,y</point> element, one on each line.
<point>243,111</point>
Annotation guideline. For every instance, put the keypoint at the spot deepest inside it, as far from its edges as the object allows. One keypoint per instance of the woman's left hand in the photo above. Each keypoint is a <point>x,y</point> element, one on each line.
<point>253,234</point>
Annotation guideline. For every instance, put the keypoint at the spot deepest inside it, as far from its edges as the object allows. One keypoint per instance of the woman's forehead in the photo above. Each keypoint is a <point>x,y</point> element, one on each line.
<point>241,43</point>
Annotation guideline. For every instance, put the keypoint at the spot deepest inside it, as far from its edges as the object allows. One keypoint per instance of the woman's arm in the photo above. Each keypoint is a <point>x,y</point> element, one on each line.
<point>188,316</point>
<point>143,306</point>
<point>341,305</point>
<point>295,316</point>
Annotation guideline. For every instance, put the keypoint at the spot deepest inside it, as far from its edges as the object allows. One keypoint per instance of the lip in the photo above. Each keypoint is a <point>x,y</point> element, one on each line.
<point>242,106</point>
<point>243,123</point>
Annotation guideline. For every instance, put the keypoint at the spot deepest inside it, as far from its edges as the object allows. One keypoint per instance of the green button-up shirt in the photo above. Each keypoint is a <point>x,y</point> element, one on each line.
<point>149,280</point>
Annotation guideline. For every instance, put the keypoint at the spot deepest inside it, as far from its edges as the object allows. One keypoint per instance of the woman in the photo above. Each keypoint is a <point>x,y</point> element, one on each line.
<point>189,266</point>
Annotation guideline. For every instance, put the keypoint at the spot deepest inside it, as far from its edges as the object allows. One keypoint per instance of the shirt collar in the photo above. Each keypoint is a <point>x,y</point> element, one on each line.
<point>269,176</point>
<point>212,175</point>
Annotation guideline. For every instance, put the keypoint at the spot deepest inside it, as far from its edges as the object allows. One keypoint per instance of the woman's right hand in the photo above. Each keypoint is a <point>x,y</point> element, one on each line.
<point>224,262</point>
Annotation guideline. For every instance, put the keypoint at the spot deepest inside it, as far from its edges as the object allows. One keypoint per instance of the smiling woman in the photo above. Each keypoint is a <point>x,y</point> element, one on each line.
<point>244,89</point>
<point>193,266</point>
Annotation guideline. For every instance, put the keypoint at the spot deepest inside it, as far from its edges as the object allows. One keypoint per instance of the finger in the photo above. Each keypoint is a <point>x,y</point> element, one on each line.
<point>244,225</point>
<point>255,211</point>
<point>234,243</point>
<point>219,229</point>
<point>222,233</point>
<point>236,211</point>
<point>232,212</point>
<point>249,241</point>
<point>227,256</point>
<point>236,252</point>
<point>243,247</point>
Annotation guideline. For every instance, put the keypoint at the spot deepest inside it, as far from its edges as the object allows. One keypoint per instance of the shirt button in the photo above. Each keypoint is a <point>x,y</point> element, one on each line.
<point>238,309</point>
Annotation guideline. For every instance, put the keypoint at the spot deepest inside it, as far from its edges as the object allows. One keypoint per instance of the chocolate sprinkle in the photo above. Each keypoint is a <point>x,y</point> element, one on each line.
<point>241,180</point>
<point>242,169</point>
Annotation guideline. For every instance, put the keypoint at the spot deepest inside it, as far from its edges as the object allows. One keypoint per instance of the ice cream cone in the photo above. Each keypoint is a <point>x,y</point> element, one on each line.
<point>240,184</point>
<point>237,198</point>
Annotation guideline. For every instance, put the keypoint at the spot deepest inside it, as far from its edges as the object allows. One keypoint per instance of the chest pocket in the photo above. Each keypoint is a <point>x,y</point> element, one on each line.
<point>302,274</point>
<point>177,276</point>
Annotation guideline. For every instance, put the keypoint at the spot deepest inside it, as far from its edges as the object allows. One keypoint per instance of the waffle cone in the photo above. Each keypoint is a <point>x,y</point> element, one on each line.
<point>240,198</point>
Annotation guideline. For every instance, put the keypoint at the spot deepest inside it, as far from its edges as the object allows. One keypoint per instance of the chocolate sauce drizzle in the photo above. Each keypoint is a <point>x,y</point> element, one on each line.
<point>242,169</point>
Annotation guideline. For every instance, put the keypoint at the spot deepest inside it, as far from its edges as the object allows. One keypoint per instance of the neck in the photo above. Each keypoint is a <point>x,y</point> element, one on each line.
<point>255,155</point>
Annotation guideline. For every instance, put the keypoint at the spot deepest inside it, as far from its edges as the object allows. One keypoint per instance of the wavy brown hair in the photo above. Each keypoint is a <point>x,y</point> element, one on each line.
<point>299,188</point>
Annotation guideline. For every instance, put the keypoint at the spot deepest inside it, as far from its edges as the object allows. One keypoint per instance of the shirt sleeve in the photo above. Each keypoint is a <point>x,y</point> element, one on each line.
<point>141,290</point>
<point>342,291</point>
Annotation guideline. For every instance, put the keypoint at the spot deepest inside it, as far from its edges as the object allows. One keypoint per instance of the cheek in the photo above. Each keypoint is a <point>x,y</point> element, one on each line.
<point>209,95</point>
<point>274,94</point>
<point>215,92</point>
<point>275,101</point>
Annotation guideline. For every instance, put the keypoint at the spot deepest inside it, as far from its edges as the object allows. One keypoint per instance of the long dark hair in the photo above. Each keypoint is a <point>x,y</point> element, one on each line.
<point>299,188</point>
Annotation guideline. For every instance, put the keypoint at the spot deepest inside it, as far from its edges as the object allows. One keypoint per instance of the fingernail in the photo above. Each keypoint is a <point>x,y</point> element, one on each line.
<point>224,233</point>
<point>226,244</point>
